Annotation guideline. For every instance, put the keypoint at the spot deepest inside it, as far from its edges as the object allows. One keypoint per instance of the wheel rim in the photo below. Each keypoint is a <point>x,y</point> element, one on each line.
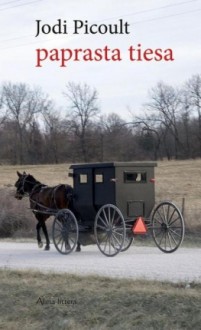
<point>129,235</point>
<point>127,243</point>
<point>109,230</point>
<point>167,227</point>
<point>65,232</point>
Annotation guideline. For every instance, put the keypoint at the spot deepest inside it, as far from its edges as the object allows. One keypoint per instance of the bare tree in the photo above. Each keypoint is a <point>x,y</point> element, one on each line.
<point>83,109</point>
<point>117,138</point>
<point>193,92</point>
<point>54,128</point>
<point>185,125</point>
<point>3,112</point>
<point>21,104</point>
<point>165,108</point>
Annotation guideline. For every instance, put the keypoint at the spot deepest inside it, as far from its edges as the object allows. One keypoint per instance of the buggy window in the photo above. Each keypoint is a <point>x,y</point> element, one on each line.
<point>138,177</point>
<point>83,178</point>
<point>99,178</point>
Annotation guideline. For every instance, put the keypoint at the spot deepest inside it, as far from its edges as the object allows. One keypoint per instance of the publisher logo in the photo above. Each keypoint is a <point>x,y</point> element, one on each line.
<point>50,299</point>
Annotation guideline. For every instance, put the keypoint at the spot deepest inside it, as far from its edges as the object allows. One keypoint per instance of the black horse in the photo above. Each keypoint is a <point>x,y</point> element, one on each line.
<point>43,199</point>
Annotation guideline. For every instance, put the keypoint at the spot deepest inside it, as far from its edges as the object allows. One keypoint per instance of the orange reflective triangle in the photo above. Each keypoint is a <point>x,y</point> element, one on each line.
<point>139,226</point>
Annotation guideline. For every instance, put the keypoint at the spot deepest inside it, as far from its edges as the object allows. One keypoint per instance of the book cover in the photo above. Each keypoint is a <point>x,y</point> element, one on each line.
<point>100,81</point>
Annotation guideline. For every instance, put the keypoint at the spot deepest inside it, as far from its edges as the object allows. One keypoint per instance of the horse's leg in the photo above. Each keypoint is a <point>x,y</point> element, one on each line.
<point>40,243</point>
<point>44,228</point>
<point>78,248</point>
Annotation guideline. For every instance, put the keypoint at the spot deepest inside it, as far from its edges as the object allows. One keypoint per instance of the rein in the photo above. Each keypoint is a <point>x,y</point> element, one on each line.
<point>25,193</point>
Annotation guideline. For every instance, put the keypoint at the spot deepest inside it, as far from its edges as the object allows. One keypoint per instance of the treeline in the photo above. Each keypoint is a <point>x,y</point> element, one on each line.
<point>33,130</point>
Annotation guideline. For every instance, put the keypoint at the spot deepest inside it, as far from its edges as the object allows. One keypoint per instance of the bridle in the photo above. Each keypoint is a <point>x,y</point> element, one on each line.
<point>21,190</point>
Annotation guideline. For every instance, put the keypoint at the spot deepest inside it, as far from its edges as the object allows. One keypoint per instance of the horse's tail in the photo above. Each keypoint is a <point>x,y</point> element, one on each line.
<point>69,192</point>
<point>68,195</point>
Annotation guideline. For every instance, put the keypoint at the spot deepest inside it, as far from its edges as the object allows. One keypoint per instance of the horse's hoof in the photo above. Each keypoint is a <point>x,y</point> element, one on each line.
<point>47,248</point>
<point>78,249</point>
<point>40,245</point>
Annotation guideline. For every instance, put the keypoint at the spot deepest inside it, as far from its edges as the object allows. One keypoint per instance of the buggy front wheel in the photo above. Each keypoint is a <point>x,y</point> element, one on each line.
<point>109,230</point>
<point>167,227</point>
<point>65,231</point>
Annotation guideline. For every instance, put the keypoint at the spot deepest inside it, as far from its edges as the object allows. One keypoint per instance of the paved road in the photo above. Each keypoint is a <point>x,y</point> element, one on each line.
<point>136,263</point>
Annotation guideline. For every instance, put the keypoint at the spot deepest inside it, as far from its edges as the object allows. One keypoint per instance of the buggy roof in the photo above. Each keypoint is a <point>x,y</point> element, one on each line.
<point>113,164</point>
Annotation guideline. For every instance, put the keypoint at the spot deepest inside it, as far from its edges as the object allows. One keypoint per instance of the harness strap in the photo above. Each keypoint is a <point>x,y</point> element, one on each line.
<point>54,195</point>
<point>38,188</point>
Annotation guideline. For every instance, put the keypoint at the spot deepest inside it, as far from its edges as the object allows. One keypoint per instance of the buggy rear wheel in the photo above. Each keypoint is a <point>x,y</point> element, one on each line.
<point>109,230</point>
<point>167,226</point>
<point>65,231</point>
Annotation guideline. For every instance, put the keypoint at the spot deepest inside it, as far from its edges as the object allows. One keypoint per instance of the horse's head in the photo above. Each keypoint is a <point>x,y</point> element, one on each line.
<point>24,184</point>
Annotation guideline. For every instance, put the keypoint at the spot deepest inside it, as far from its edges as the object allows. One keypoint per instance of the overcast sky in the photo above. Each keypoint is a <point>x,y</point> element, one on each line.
<point>121,84</point>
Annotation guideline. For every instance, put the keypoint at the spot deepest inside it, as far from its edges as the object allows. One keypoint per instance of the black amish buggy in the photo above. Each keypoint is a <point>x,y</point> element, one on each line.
<point>113,202</point>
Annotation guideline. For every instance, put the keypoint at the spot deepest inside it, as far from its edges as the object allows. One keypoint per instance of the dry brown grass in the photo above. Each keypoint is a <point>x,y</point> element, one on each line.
<point>16,220</point>
<point>179,179</point>
<point>176,180</point>
<point>48,174</point>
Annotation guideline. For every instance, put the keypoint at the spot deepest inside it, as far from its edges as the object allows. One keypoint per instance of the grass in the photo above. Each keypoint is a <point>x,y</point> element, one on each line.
<point>49,174</point>
<point>179,179</point>
<point>33,300</point>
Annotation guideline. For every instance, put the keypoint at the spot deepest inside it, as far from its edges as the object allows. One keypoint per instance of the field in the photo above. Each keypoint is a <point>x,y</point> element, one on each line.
<point>177,181</point>
<point>31,300</point>
<point>174,179</point>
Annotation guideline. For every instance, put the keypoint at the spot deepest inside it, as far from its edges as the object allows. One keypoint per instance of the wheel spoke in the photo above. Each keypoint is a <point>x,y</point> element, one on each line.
<point>110,245</point>
<point>117,220</point>
<point>102,238</point>
<point>59,223</point>
<point>57,229</point>
<point>165,215</point>
<point>112,220</point>
<point>100,227</point>
<point>172,236</point>
<point>105,217</point>
<point>159,230</point>
<point>109,215</point>
<point>161,237</point>
<point>62,245</point>
<point>105,224</point>
<point>117,233</point>
<point>115,238</point>
<point>169,239</point>
<point>160,217</point>
<point>105,243</point>
<point>58,235</point>
<point>174,232</point>
<point>173,212</point>
<point>59,240</point>
<point>173,221</point>
<point>157,220</point>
